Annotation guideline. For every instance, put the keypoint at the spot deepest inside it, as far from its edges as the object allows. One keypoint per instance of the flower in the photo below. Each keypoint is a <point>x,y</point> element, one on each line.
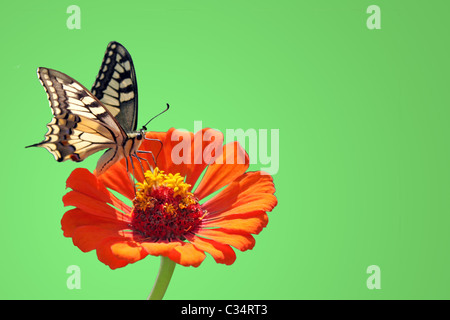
<point>168,216</point>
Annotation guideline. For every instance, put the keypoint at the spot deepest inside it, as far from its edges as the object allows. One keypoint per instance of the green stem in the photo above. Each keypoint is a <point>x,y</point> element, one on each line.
<point>162,280</point>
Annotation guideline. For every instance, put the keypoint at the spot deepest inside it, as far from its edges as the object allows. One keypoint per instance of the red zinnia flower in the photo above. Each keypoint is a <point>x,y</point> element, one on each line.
<point>167,216</point>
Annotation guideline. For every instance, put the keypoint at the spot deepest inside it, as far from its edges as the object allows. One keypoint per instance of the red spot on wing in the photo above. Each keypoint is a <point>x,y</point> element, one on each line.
<point>75,157</point>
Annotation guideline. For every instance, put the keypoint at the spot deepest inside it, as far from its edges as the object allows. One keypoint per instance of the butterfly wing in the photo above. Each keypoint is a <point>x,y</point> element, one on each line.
<point>116,86</point>
<point>81,125</point>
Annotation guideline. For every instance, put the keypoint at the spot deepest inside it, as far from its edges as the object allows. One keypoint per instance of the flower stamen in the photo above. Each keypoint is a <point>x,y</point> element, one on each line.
<point>164,208</point>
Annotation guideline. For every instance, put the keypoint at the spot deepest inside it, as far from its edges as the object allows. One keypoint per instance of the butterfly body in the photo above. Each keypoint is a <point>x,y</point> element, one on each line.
<point>128,148</point>
<point>86,122</point>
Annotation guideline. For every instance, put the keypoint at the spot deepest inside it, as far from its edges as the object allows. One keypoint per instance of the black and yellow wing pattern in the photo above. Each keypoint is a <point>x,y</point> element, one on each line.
<point>116,86</point>
<point>84,122</point>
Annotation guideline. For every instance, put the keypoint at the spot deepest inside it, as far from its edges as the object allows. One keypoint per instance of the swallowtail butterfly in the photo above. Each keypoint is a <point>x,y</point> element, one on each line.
<point>85,122</point>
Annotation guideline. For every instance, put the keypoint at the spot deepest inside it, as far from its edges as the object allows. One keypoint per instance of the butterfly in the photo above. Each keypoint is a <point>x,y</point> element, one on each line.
<point>85,122</point>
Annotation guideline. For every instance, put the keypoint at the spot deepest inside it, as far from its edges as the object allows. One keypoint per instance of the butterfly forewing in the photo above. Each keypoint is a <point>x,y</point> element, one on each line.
<point>116,86</point>
<point>81,125</point>
<point>85,122</point>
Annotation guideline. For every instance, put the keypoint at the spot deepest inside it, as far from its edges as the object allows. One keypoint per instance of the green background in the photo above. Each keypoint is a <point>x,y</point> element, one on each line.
<point>363,117</point>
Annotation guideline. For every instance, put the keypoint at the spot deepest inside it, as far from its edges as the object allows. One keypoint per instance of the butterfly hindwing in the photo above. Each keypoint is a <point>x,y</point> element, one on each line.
<point>116,87</point>
<point>81,125</point>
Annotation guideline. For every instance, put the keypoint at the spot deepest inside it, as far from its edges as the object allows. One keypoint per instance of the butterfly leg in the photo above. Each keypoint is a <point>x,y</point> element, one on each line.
<point>157,140</point>
<point>132,166</point>
<point>140,159</point>
<point>126,163</point>
<point>131,176</point>
<point>140,162</point>
<point>147,152</point>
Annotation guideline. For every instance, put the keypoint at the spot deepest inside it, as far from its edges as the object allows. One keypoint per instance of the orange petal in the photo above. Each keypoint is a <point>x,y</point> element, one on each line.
<point>238,239</point>
<point>203,152</point>
<point>117,179</point>
<point>88,238</point>
<point>130,251</point>
<point>76,217</point>
<point>188,154</point>
<point>176,154</point>
<point>117,253</point>
<point>232,163</point>
<point>153,142</point>
<point>118,204</point>
<point>256,202</point>
<point>164,152</point>
<point>186,255</point>
<point>251,191</point>
<point>93,206</point>
<point>159,248</point>
<point>180,143</point>
<point>220,252</point>
<point>252,222</point>
<point>83,181</point>
<point>156,146</point>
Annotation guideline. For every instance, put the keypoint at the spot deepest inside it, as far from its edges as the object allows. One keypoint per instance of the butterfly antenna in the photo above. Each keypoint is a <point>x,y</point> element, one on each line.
<point>145,125</point>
